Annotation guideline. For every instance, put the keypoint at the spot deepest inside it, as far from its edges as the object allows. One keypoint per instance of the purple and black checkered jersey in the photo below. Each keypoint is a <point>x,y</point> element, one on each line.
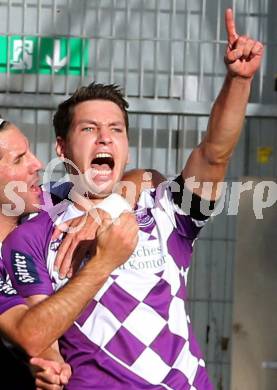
<point>135,333</point>
<point>8,295</point>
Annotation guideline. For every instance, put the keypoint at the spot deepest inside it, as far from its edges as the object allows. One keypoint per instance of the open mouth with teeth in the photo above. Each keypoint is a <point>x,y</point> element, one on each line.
<point>102,164</point>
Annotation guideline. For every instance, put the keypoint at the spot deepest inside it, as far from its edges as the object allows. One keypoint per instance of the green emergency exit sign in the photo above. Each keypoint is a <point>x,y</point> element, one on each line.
<point>61,56</point>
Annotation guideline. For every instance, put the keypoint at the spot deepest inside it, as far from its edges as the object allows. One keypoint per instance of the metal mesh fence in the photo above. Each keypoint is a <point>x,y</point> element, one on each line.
<point>167,55</point>
<point>154,48</point>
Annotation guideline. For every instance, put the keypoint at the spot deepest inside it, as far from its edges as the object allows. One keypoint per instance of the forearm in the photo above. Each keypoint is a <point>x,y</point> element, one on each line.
<point>209,161</point>
<point>226,120</point>
<point>45,322</point>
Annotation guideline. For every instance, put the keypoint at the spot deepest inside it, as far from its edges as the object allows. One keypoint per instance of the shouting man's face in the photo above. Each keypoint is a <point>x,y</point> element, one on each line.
<point>97,145</point>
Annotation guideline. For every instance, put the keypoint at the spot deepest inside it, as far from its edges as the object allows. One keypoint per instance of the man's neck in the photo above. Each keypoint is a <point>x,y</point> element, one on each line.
<point>83,203</point>
<point>7,223</point>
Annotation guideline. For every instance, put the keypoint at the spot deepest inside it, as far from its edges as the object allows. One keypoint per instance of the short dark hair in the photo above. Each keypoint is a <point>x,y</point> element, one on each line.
<point>95,91</point>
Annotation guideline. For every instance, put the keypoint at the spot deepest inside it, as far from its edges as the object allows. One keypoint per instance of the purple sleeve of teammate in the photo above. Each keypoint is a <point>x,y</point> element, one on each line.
<point>24,255</point>
<point>8,295</point>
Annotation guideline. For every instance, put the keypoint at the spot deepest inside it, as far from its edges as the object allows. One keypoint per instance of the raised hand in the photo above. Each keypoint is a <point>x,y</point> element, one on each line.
<point>243,54</point>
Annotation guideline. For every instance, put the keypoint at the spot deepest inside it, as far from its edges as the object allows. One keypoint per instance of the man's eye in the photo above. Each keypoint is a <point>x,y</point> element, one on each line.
<point>88,129</point>
<point>18,160</point>
<point>117,130</point>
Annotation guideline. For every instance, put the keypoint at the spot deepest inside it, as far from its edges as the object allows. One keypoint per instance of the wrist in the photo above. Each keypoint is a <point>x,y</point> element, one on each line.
<point>100,267</point>
<point>232,77</point>
<point>52,354</point>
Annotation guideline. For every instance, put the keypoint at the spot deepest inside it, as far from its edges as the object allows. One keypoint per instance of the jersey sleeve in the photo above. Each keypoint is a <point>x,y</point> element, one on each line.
<point>8,295</point>
<point>24,255</point>
<point>187,211</point>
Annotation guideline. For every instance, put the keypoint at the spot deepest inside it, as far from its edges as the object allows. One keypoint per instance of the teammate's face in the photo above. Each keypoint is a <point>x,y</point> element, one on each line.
<point>19,178</point>
<point>97,144</point>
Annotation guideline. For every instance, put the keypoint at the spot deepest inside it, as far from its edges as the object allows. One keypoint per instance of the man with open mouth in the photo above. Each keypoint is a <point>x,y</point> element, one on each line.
<point>20,196</point>
<point>135,333</point>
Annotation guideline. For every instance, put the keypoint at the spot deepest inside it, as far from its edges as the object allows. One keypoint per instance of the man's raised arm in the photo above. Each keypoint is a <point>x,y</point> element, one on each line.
<point>208,162</point>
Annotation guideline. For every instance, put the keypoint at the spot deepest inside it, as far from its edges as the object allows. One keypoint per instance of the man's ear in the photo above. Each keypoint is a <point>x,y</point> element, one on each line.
<point>60,147</point>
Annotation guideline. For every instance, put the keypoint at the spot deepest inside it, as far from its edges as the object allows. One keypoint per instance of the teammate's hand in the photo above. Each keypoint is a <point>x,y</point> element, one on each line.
<point>243,54</point>
<point>50,375</point>
<point>80,232</point>
<point>116,240</point>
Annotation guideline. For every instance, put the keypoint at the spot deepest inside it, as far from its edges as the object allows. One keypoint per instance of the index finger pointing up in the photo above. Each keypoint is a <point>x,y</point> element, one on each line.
<point>230,27</point>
